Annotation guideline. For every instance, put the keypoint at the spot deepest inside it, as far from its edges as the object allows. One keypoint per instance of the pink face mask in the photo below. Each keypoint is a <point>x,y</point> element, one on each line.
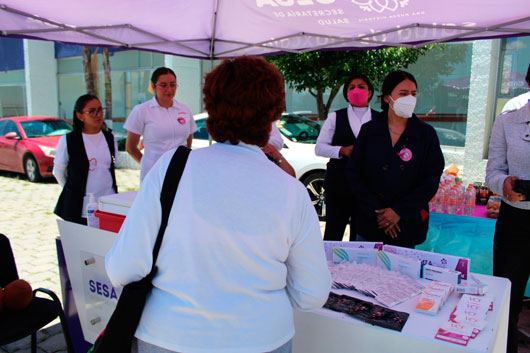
<point>358,97</point>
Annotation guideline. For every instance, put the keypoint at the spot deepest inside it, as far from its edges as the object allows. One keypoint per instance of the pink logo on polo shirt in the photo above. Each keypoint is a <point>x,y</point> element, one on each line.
<point>181,120</point>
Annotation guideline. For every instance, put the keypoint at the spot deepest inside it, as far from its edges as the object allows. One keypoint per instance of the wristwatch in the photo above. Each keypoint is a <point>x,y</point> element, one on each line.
<point>279,161</point>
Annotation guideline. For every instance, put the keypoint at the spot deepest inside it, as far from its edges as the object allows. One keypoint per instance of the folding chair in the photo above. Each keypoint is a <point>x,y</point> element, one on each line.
<point>15,325</point>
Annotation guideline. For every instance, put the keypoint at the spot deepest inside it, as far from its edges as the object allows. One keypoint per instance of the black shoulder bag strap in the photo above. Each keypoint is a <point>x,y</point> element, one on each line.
<point>119,333</point>
<point>169,190</point>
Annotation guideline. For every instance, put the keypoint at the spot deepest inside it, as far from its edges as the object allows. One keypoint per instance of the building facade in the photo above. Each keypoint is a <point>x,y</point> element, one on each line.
<point>461,89</point>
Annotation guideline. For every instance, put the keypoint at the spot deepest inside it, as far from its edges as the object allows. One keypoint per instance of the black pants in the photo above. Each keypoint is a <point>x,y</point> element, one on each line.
<point>340,210</point>
<point>511,259</point>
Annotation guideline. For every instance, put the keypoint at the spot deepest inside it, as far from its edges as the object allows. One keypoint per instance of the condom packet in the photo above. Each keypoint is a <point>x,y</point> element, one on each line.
<point>367,312</point>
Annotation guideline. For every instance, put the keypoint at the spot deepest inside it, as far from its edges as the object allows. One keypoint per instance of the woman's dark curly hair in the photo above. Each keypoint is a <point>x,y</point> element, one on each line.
<point>243,96</point>
<point>80,104</point>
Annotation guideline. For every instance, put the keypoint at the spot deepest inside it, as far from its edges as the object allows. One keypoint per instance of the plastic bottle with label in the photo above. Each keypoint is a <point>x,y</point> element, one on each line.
<point>453,200</point>
<point>469,201</point>
<point>91,208</point>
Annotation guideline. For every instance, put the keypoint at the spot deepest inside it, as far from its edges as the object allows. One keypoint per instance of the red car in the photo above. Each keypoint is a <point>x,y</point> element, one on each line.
<point>28,144</point>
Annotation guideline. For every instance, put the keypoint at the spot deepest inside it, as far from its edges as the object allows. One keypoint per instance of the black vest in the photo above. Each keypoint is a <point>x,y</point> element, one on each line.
<point>335,180</point>
<point>70,204</point>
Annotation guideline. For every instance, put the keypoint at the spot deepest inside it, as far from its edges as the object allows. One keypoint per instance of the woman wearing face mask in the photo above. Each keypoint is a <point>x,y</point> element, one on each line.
<point>336,140</point>
<point>164,123</point>
<point>395,168</point>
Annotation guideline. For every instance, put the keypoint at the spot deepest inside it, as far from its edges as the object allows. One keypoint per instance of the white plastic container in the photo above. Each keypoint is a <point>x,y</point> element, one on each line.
<point>91,208</point>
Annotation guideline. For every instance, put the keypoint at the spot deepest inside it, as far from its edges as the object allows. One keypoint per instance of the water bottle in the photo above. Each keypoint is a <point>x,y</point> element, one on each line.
<point>452,207</point>
<point>469,201</point>
<point>91,208</point>
<point>445,199</point>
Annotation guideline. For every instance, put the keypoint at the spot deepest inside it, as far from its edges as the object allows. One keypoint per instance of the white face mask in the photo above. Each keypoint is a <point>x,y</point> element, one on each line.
<point>404,106</point>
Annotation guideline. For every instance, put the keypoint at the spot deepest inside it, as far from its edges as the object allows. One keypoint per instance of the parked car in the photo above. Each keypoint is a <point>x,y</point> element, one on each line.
<point>299,138</point>
<point>450,137</point>
<point>28,144</point>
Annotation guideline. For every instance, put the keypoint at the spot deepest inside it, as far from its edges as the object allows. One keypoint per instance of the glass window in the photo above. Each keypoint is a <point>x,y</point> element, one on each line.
<point>3,123</point>
<point>513,66</point>
<point>12,100</point>
<point>40,128</point>
<point>201,133</point>
<point>443,78</point>
<point>10,127</point>
<point>298,129</point>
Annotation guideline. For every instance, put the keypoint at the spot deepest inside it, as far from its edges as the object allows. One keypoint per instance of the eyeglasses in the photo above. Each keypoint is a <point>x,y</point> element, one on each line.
<point>95,112</point>
<point>165,85</point>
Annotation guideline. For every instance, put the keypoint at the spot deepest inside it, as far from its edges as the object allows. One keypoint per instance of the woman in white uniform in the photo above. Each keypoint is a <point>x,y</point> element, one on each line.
<point>84,161</point>
<point>336,141</point>
<point>163,122</point>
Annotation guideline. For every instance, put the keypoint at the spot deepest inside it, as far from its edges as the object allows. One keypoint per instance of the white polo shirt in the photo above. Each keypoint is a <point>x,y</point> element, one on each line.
<point>162,129</point>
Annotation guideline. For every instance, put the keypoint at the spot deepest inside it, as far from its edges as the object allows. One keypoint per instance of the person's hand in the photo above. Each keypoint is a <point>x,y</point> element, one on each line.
<point>271,151</point>
<point>388,219</point>
<point>507,190</point>
<point>345,151</point>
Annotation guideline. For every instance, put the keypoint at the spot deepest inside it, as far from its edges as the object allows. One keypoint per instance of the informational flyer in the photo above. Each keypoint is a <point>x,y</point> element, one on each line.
<point>456,263</point>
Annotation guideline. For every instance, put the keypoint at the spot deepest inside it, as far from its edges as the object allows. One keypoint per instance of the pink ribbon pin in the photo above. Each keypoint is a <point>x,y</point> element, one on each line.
<point>405,154</point>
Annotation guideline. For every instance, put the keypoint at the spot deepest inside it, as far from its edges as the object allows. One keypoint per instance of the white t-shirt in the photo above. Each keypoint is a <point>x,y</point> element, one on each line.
<point>99,180</point>
<point>356,117</point>
<point>241,248</point>
<point>162,129</point>
<point>517,102</point>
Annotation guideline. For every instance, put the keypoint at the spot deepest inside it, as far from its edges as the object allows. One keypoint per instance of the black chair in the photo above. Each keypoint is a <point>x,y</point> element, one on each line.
<point>15,325</point>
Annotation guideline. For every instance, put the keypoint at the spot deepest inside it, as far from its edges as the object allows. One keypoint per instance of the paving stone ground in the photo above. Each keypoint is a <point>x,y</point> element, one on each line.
<point>27,219</point>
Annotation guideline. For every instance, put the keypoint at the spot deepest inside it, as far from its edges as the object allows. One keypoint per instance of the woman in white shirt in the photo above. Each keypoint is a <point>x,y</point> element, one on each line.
<point>163,122</point>
<point>336,141</point>
<point>84,161</point>
<point>242,245</point>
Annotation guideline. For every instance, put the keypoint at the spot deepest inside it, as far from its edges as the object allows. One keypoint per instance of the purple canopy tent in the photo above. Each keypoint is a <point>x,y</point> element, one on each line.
<point>226,28</point>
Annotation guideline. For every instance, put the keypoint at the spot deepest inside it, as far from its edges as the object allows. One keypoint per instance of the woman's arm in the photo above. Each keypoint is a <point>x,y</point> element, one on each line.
<point>323,146</point>
<point>189,140</point>
<point>60,162</point>
<point>130,258</point>
<point>497,169</point>
<point>277,158</point>
<point>131,146</point>
<point>308,278</point>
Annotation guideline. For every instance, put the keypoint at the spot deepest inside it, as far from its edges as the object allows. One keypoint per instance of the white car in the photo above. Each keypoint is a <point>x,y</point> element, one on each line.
<point>299,137</point>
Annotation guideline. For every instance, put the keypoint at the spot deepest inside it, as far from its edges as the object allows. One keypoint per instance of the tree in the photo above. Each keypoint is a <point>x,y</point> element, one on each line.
<point>319,71</point>
<point>108,84</point>
<point>90,66</point>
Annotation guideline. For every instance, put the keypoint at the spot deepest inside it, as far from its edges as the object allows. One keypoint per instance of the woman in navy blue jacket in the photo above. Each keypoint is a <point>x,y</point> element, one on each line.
<point>395,168</point>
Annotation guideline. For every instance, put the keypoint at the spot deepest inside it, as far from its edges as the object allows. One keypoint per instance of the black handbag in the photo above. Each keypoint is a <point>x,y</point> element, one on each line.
<point>118,334</point>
